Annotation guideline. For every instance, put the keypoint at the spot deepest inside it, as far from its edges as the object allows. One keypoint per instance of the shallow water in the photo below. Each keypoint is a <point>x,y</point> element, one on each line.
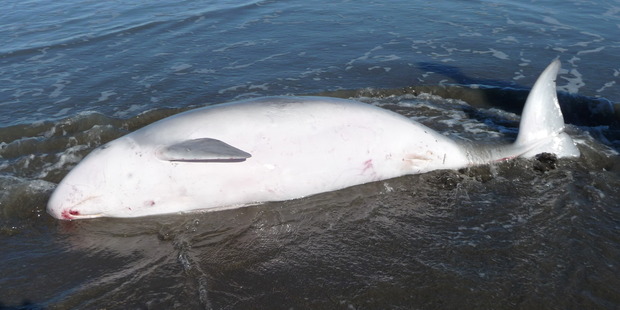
<point>516,235</point>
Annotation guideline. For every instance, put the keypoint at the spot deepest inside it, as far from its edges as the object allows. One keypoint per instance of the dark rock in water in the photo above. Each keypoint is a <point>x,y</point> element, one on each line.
<point>545,162</point>
<point>447,180</point>
<point>481,173</point>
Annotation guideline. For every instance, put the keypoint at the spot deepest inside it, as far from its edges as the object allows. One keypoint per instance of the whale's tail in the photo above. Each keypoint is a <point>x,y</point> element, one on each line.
<point>542,124</point>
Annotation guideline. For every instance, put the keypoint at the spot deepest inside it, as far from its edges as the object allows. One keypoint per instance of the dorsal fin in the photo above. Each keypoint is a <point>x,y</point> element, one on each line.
<point>202,150</point>
<point>542,123</point>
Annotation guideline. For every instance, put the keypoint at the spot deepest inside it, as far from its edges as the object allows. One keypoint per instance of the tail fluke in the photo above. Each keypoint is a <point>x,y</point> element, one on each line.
<point>542,124</point>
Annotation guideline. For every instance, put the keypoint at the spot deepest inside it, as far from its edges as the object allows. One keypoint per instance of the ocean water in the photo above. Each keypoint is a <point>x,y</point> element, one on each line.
<point>523,234</point>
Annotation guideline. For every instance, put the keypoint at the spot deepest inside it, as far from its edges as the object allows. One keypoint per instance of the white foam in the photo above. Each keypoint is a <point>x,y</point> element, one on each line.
<point>62,112</point>
<point>105,95</point>
<point>555,22</point>
<point>574,84</point>
<point>133,108</point>
<point>58,90</point>
<point>499,54</point>
<point>518,75</point>
<point>62,100</point>
<point>68,157</point>
<point>387,58</point>
<point>470,34</point>
<point>235,66</point>
<point>264,86</point>
<point>180,67</point>
<point>495,53</point>
<point>244,43</point>
<point>596,50</point>
<point>204,71</point>
<point>606,85</point>
<point>509,39</point>
<point>386,69</point>
<point>315,71</point>
<point>231,89</point>
<point>366,56</point>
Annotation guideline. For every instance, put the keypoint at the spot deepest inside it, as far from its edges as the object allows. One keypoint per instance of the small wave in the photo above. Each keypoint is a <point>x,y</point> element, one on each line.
<point>46,150</point>
<point>22,198</point>
<point>85,24</point>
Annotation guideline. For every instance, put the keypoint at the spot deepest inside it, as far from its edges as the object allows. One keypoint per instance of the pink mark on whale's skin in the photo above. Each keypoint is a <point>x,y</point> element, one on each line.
<point>69,214</point>
<point>369,169</point>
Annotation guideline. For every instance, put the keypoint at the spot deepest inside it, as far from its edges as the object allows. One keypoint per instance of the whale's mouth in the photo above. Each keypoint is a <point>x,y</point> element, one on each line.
<point>75,211</point>
<point>69,214</point>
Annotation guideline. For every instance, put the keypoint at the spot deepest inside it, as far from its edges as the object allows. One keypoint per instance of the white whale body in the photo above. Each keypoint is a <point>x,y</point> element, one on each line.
<point>280,148</point>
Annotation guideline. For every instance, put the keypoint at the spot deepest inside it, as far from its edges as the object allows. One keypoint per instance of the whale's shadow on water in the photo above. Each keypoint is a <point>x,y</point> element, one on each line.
<point>26,305</point>
<point>598,116</point>
<point>578,110</point>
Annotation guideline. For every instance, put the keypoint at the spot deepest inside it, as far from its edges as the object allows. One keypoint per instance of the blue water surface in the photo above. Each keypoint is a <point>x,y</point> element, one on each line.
<point>60,58</point>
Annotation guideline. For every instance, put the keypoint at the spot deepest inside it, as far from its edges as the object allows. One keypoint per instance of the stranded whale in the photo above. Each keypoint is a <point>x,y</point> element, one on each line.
<point>280,148</point>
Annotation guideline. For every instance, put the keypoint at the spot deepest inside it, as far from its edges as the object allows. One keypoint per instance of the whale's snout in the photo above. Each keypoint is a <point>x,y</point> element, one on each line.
<point>69,202</point>
<point>102,184</point>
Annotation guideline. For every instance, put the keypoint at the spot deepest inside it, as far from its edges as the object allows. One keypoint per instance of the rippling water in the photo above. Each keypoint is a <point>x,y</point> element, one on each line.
<point>521,234</point>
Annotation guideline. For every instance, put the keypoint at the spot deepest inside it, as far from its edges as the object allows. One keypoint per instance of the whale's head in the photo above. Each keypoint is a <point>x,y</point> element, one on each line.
<point>106,183</point>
